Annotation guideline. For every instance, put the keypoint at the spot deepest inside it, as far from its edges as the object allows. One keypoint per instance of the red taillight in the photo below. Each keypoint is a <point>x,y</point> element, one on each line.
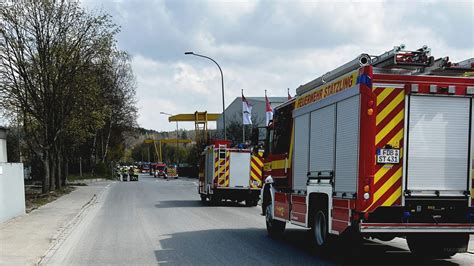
<point>366,188</point>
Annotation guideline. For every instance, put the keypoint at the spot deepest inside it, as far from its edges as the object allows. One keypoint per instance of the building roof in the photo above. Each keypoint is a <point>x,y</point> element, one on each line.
<point>274,101</point>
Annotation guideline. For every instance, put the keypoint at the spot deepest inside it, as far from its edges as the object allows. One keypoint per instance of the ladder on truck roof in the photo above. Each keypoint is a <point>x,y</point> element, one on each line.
<point>400,58</point>
<point>397,61</point>
<point>419,62</point>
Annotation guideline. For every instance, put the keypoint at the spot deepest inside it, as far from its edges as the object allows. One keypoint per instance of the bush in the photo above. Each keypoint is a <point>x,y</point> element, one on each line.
<point>102,169</point>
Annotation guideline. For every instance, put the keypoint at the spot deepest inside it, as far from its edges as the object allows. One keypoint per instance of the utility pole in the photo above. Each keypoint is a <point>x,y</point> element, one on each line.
<point>177,143</point>
<point>177,137</point>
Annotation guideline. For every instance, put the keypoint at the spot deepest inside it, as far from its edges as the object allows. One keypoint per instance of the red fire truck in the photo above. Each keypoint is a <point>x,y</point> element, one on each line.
<point>230,174</point>
<point>380,147</point>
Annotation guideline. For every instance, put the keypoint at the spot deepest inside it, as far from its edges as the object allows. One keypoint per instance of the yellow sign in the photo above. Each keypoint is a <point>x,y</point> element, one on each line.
<point>328,89</point>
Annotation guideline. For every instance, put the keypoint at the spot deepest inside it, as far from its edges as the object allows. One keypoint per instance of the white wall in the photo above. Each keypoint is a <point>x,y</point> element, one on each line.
<point>3,150</point>
<point>12,191</point>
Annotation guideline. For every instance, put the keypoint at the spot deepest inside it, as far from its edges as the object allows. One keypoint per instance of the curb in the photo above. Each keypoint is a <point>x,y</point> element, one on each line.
<point>87,181</point>
<point>64,231</point>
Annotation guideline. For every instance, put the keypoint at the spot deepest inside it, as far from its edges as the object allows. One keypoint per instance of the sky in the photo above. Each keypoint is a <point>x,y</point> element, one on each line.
<point>266,45</point>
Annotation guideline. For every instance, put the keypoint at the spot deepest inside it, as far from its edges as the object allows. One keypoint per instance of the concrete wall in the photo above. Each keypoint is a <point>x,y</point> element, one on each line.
<point>3,145</point>
<point>12,191</point>
<point>3,150</point>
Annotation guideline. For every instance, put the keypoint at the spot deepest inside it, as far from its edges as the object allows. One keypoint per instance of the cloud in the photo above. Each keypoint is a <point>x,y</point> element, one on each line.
<point>267,45</point>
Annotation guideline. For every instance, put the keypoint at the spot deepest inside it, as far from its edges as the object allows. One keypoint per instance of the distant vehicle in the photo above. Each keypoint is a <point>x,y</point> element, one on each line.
<point>133,173</point>
<point>152,168</point>
<point>124,173</point>
<point>145,168</point>
<point>172,171</point>
<point>230,174</point>
<point>161,170</point>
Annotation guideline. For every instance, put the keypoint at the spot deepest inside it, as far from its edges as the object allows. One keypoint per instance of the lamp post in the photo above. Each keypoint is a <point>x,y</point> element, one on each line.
<point>222,83</point>
<point>164,113</point>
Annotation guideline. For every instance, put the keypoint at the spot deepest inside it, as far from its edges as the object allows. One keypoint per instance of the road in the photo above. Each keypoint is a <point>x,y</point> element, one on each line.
<point>157,221</point>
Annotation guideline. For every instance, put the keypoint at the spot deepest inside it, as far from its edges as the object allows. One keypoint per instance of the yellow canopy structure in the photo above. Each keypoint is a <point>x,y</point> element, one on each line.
<point>200,120</point>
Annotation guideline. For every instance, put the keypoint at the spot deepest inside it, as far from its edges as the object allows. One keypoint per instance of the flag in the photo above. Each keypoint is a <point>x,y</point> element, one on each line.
<point>289,96</point>
<point>268,110</point>
<point>246,111</point>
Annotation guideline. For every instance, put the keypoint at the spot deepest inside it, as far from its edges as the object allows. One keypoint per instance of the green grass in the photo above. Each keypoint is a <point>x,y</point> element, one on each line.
<point>35,199</point>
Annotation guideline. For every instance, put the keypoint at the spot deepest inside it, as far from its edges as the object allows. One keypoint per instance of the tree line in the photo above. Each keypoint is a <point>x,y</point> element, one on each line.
<point>65,85</point>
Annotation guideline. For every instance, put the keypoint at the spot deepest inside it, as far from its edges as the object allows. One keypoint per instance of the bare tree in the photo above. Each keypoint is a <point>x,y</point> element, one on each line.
<point>48,50</point>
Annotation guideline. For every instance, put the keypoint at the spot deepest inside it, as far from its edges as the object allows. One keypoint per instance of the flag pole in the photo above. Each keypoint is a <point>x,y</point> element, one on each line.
<point>243,124</point>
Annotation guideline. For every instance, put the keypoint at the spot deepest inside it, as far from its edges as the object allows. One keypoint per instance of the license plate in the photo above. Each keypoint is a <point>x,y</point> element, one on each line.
<point>391,156</point>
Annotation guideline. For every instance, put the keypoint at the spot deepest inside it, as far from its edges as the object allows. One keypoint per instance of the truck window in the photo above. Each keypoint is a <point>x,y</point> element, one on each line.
<point>283,123</point>
<point>268,142</point>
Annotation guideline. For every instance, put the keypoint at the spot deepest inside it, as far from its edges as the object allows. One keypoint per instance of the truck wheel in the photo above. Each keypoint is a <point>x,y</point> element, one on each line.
<point>319,229</point>
<point>438,246</point>
<point>274,227</point>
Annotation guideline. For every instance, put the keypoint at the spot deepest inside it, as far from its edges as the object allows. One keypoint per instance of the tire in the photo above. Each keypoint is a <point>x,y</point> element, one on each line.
<point>437,246</point>
<point>203,198</point>
<point>275,228</point>
<point>319,229</point>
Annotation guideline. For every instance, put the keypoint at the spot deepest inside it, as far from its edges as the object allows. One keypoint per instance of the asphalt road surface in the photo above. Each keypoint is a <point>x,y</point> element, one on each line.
<point>154,221</point>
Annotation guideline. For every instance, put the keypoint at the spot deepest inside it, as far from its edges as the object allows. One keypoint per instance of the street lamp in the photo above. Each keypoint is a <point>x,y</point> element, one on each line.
<point>164,113</point>
<point>222,83</point>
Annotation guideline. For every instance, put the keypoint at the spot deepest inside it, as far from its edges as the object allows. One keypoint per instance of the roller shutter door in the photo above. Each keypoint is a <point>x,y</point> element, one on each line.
<point>323,129</point>
<point>301,152</point>
<point>438,143</point>
<point>347,145</point>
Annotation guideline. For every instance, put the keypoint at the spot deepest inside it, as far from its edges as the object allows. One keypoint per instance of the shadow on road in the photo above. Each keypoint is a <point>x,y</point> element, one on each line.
<point>252,246</point>
<point>196,203</point>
